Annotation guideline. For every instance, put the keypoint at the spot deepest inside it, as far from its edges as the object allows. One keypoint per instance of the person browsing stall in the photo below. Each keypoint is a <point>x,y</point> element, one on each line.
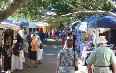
<point>101,58</point>
<point>34,49</point>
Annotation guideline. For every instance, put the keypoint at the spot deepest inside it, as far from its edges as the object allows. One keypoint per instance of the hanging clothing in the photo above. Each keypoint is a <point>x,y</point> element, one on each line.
<point>29,47</point>
<point>20,60</point>
<point>7,59</point>
<point>15,56</point>
<point>8,41</point>
<point>21,55</point>
<point>14,62</point>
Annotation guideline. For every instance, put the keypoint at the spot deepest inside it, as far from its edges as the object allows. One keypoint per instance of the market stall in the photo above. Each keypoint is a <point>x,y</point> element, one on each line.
<point>42,25</point>
<point>7,29</point>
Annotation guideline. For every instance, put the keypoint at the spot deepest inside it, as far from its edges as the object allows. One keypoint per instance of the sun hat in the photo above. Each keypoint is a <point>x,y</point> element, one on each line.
<point>102,39</point>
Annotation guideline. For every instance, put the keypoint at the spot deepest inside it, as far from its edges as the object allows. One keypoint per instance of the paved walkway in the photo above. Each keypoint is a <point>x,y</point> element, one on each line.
<point>49,59</point>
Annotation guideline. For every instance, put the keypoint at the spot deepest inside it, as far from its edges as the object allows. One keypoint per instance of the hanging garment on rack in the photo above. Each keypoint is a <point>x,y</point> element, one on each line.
<point>8,41</point>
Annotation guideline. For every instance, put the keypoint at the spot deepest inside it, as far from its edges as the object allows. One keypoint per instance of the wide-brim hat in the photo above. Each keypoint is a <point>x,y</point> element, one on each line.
<point>102,40</point>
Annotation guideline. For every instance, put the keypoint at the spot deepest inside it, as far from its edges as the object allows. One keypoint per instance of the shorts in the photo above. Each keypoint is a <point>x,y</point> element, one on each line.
<point>63,41</point>
<point>34,55</point>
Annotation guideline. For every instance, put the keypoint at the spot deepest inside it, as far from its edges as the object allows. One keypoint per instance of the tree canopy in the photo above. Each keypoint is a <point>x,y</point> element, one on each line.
<point>66,10</point>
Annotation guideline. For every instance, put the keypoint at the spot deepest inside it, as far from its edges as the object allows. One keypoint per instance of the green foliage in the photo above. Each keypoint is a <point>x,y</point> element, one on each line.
<point>3,3</point>
<point>34,9</point>
<point>90,5</point>
<point>61,8</point>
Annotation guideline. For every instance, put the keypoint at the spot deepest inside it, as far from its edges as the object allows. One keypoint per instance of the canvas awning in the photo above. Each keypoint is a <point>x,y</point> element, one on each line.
<point>8,24</point>
<point>41,24</point>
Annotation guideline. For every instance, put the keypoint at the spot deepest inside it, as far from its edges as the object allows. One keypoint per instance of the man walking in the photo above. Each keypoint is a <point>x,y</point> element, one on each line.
<point>66,60</point>
<point>101,58</point>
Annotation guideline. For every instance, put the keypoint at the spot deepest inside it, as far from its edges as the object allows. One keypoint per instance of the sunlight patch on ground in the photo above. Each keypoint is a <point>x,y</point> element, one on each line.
<point>51,40</point>
<point>50,54</point>
<point>54,40</point>
<point>53,46</point>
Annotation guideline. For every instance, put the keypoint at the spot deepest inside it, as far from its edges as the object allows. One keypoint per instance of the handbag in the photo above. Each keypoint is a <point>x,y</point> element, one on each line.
<point>76,68</point>
<point>41,46</point>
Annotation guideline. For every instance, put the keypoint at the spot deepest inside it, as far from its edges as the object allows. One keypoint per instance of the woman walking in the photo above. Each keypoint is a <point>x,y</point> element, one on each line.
<point>39,51</point>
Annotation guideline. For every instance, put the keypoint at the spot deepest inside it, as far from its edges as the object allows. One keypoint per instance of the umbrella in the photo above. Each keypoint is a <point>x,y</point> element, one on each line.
<point>22,24</point>
<point>107,22</point>
<point>42,24</point>
<point>24,21</point>
<point>90,19</point>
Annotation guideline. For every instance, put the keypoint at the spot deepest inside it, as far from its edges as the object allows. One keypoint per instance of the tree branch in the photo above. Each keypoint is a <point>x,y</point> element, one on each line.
<point>12,6</point>
<point>86,11</point>
<point>91,11</point>
<point>113,3</point>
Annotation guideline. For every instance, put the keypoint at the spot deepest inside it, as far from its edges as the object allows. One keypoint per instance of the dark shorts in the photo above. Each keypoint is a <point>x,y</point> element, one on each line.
<point>34,55</point>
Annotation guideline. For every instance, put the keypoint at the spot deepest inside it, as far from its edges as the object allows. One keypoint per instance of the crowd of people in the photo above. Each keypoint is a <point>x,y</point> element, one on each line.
<point>98,59</point>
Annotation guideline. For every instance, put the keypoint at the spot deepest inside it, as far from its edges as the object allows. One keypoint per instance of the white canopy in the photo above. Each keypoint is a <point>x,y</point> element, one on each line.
<point>40,24</point>
<point>9,26</point>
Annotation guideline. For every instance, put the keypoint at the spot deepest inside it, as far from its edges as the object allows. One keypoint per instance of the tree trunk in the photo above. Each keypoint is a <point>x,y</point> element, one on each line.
<point>11,8</point>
